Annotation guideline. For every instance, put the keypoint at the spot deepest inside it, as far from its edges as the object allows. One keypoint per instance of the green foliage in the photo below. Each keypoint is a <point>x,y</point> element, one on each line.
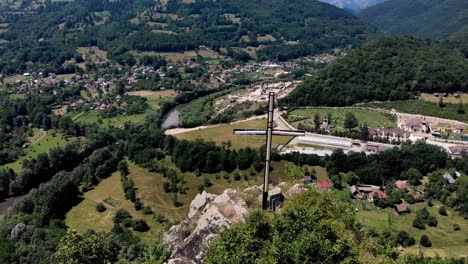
<point>387,68</point>
<point>100,207</point>
<point>140,225</point>
<point>443,211</point>
<point>425,242</point>
<point>404,239</point>
<point>350,121</point>
<point>423,218</point>
<point>311,228</point>
<point>120,215</point>
<point>87,249</point>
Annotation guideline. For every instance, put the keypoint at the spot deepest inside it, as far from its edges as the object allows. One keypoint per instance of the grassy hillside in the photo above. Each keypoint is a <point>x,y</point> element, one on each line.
<point>387,68</point>
<point>423,18</point>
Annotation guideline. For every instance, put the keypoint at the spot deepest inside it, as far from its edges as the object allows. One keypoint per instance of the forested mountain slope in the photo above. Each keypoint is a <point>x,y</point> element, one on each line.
<point>47,36</point>
<point>388,68</point>
<point>423,18</point>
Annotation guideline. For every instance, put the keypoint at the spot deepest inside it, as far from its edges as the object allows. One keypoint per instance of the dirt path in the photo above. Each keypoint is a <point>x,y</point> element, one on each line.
<point>175,131</point>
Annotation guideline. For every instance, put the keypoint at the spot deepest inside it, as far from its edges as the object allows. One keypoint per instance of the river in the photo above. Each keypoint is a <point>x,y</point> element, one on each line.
<point>7,203</point>
<point>172,118</point>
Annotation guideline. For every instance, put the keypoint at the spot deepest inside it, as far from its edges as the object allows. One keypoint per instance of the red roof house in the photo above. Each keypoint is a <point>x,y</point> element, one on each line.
<point>402,185</point>
<point>324,185</point>
<point>380,194</point>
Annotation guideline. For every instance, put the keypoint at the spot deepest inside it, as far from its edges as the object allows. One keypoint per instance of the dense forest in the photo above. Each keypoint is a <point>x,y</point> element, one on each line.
<point>387,68</point>
<point>47,38</point>
<point>423,18</point>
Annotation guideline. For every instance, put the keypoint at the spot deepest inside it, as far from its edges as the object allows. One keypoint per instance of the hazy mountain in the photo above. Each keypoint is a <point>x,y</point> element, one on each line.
<point>353,5</point>
<point>423,18</point>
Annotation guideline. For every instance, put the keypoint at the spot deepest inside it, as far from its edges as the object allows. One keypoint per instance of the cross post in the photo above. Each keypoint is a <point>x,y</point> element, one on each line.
<point>269,132</point>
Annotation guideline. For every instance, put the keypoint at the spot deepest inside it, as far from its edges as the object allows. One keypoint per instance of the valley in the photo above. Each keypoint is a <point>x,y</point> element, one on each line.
<point>118,142</point>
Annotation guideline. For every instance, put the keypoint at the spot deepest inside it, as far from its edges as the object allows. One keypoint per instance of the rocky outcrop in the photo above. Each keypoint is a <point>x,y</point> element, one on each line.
<point>209,214</point>
<point>17,231</point>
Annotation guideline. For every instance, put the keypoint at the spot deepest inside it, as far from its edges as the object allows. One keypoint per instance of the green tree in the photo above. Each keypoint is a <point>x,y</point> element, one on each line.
<point>87,249</point>
<point>425,241</point>
<point>442,210</point>
<point>461,108</point>
<point>414,176</point>
<point>317,121</point>
<point>100,207</point>
<point>350,121</point>
<point>365,132</point>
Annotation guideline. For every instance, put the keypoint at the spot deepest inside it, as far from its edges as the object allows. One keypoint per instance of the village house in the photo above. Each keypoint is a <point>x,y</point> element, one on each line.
<point>307,180</point>
<point>415,124</point>
<point>401,185</point>
<point>391,133</point>
<point>458,150</point>
<point>379,194</point>
<point>372,149</point>
<point>324,185</point>
<point>401,209</point>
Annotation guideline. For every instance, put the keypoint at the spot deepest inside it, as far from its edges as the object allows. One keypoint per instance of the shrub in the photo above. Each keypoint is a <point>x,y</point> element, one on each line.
<point>138,204</point>
<point>404,239</point>
<point>425,242</point>
<point>442,210</point>
<point>207,183</point>
<point>117,229</point>
<point>147,210</point>
<point>127,222</point>
<point>432,221</point>
<point>120,215</point>
<point>140,225</point>
<point>237,177</point>
<point>100,207</point>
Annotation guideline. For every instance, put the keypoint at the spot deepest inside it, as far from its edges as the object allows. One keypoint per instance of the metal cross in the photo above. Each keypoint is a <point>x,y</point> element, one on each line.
<point>269,132</point>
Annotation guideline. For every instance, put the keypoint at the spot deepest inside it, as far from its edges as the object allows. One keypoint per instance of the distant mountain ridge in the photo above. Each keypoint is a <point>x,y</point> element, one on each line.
<point>422,18</point>
<point>353,5</point>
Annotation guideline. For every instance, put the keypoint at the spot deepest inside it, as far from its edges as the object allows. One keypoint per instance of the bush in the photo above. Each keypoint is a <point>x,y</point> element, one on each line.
<point>120,215</point>
<point>140,225</point>
<point>432,221</point>
<point>425,242</point>
<point>419,223</point>
<point>456,227</point>
<point>206,182</point>
<point>117,229</point>
<point>404,239</point>
<point>127,222</point>
<point>237,177</point>
<point>442,210</point>
<point>138,204</point>
<point>147,210</point>
<point>100,207</point>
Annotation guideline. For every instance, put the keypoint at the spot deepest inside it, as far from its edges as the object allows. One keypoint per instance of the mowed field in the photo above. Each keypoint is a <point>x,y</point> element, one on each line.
<point>449,99</point>
<point>149,189</point>
<point>372,118</point>
<point>118,121</point>
<point>445,241</point>
<point>224,133</point>
<point>84,216</point>
<point>41,142</point>
<point>155,98</point>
